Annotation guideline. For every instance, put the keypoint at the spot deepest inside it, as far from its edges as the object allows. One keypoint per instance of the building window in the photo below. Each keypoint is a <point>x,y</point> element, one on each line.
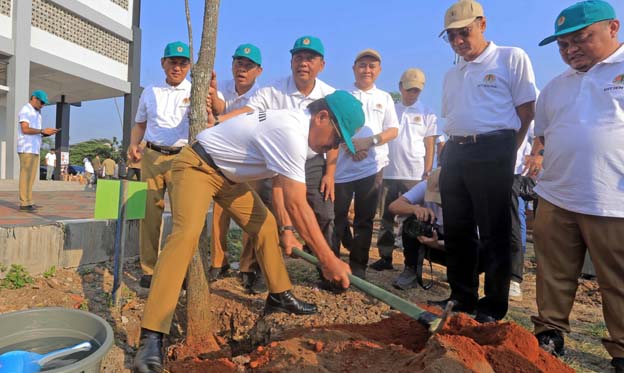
<point>5,7</point>
<point>58,21</point>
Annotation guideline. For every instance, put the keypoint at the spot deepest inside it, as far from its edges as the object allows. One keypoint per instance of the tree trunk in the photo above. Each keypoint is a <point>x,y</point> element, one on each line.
<point>200,323</point>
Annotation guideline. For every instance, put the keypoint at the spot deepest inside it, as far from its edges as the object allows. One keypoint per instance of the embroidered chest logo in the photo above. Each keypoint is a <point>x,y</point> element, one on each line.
<point>618,84</point>
<point>417,119</point>
<point>186,101</point>
<point>379,106</point>
<point>489,81</point>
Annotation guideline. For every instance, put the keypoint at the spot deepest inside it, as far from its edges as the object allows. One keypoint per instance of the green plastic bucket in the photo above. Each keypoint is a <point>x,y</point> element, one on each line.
<point>42,330</point>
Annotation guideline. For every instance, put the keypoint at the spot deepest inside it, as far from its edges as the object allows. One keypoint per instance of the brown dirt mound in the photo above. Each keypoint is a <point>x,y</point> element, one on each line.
<point>396,344</point>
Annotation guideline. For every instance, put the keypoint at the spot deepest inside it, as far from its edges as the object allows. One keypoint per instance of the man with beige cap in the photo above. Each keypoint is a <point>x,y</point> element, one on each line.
<point>411,156</point>
<point>488,101</point>
<point>359,175</point>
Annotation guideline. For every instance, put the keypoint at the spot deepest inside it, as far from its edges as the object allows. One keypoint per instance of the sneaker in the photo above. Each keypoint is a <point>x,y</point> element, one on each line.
<point>551,341</point>
<point>618,364</point>
<point>29,208</point>
<point>515,291</point>
<point>408,279</point>
<point>382,264</point>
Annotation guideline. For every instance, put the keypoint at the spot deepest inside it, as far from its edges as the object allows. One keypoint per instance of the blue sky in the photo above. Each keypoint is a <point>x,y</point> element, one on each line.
<point>405,32</point>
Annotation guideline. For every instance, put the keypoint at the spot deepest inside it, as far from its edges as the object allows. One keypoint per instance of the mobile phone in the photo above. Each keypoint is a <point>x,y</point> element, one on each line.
<point>59,130</point>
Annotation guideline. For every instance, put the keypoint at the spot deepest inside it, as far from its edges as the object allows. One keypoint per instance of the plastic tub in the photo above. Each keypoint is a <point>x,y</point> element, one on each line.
<point>42,330</point>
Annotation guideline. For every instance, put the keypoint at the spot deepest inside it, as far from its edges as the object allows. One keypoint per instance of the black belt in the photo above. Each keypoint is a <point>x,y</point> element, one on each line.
<point>166,150</point>
<point>472,139</point>
<point>201,152</point>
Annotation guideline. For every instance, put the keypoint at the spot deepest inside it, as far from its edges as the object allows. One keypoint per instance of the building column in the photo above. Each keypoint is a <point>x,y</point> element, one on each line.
<point>18,81</point>
<point>61,140</point>
<point>131,101</point>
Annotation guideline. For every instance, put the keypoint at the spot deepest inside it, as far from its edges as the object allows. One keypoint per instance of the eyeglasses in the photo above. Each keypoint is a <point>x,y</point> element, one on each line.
<point>339,139</point>
<point>450,35</point>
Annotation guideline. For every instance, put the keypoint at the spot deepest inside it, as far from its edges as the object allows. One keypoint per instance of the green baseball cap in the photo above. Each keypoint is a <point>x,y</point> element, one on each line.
<point>41,95</point>
<point>177,49</point>
<point>250,52</point>
<point>309,43</point>
<point>579,16</point>
<point>348,112</point>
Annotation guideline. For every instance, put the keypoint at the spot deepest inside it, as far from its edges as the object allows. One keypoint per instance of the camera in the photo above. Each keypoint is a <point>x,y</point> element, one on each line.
<point>413,228</point>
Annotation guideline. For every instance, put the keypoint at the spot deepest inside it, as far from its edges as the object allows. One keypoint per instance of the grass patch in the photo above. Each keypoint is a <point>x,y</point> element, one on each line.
<point>16,278</point>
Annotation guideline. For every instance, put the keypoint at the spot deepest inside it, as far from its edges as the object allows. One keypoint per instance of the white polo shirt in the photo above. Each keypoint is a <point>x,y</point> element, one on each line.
<point>260,145</point>
<point>227,92</point>
<point>482,95</point>
<point>581,116</point>
<point>283,94</point>
<point>165,108</point>
<point>28,143</point>
<point>50,159</point>
<point>379,116</point>
<point>407,150</point>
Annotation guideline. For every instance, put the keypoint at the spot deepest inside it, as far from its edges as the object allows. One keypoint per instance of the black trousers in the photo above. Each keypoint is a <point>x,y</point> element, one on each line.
<point>475,185</point>
<point>517,249</point>
<point>323,209</point>
<point>393,189</point>
<point>365,193</point>
<point>132,173</point>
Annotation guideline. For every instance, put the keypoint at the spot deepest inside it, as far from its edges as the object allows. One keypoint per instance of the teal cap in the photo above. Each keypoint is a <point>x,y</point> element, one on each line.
<point>177,49</point>
<point>309,43</point>
<point>348,112</point>
<point>579,16</point>
<point>250,52</point>
<point>41,95</point>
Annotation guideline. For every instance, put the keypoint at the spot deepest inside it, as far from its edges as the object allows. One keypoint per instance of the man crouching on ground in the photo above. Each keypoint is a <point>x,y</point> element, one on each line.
<point>218,166</point>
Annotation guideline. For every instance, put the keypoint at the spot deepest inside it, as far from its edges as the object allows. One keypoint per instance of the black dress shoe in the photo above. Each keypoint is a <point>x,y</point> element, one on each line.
<point>484,318</point>
<point>286,302</point>
<point>29,208</point>
<point>145,281</point>
<point>149,357</point>
<point>551,341</point>
<point>382,264</point>
<point>215,273</point>
<point>458,307</point>
<point>259,285</point>
<point>325,284</point>
<point>618,364</point>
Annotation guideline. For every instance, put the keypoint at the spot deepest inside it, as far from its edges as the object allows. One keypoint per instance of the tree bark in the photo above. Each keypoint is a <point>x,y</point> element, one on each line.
<point>200,323</point>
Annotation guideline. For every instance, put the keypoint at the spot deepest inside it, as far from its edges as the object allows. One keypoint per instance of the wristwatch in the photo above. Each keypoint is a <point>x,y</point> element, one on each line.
<point>376,140</point>
<point>287,228</point>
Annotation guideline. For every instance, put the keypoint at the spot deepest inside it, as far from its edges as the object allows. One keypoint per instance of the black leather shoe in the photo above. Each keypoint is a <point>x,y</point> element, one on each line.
<point>146,281</point>
<point>618,364</point>
<point>358,271</point>
<point>286,302</point>
<point>29,208</point>
<point>259,285</point>
<point>408,279</point>
<point>382,264</point>
<point>458,307</point>
<point>149,357</point>
<point>215,273</point>
<point>484,318</point>
<point>551,341</point>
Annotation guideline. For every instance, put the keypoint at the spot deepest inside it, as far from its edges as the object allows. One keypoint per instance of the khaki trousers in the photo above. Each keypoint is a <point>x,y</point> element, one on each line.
<point>561,238</point>
<point>29,163</point>
<point>157,174</point>
<point>195,186</point>
<point>221,226</point>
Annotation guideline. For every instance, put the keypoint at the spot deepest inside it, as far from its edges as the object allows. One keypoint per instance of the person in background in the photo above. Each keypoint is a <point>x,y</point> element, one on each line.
<point>108,167</point>
<point>50,162</point>
<point>30,131</point>
<point>411,156</point>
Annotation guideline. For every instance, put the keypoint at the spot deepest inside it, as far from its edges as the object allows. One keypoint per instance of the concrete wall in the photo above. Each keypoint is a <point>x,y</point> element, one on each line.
<point>68,243</point>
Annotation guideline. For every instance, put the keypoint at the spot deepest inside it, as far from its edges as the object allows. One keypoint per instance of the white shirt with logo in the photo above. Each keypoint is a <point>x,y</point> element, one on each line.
<point>50,159</point>
<point>165,108</point>
<point>28,143</point>
<point>482,95</point>
<point>581,116</point>
<point>380,115</point>
<point>407,150</point>
<point>227,92</point>
<point>260,145</point>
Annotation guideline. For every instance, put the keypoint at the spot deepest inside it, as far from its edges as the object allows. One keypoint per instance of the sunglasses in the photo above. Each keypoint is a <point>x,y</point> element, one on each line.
<point>449,36</point>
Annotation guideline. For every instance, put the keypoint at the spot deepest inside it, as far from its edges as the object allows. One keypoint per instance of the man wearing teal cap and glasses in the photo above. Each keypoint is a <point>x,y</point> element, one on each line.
<point>218,166</point>
<point>162,121</point>
<point>29,136</point>
<point>580,119</point>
